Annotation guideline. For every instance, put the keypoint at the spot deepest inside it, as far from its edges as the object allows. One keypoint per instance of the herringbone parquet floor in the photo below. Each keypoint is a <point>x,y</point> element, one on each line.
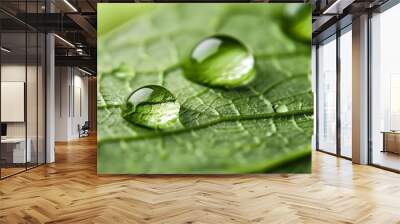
<point>70,191</point>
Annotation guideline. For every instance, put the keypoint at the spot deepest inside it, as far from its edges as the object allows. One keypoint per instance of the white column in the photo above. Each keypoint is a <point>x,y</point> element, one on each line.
<point>360,90</point>
<point>50,99</point>
<point>50,92</point>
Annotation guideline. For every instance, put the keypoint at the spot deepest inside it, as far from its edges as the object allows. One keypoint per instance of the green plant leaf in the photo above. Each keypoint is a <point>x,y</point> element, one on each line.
<point>223,131</point>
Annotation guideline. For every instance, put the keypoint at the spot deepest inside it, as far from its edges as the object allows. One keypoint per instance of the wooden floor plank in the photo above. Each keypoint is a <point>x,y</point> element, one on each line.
<point>70,191</point>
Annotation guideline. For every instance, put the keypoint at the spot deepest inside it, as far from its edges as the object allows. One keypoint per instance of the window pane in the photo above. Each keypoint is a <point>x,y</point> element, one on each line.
<point>345,94</point>
<point>385,84</point>
<point>327,96</point>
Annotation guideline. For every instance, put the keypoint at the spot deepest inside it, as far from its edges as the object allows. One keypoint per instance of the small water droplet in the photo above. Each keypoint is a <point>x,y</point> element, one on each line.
<point>221,61</point>
<point>280,108</point>
<point>152,106</point>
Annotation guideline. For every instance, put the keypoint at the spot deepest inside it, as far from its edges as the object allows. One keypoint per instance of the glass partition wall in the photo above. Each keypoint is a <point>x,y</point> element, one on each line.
<point>13,89</point>
<point>334,93</point>
<point>22,77</point>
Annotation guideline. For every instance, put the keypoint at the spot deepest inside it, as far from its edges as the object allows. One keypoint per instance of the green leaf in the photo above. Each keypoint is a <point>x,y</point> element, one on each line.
<point>108,20</point>
<point>224,131</point>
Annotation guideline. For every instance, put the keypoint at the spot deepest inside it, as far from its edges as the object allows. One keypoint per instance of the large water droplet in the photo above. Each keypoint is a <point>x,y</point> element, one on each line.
<point>299,21</point>
<point>152,106</point>
<point>221,61</point>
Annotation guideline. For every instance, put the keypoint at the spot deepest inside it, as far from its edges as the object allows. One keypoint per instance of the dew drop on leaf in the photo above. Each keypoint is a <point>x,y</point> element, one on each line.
<point>280,108</point>
<point>298,21</point>
<point>220,61</point>
<point>152,106</point>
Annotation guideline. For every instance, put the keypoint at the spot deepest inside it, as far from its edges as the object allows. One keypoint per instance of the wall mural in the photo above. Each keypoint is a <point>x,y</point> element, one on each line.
<point>204,88</point>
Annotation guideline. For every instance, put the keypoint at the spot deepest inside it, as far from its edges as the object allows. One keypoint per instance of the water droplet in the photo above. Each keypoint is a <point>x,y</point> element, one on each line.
<point>221,61</point>
<point>152,106</point>
<point>280,108</point>
<point>299,21</point>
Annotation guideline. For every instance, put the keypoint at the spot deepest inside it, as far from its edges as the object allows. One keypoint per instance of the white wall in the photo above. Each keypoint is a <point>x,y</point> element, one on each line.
<point>80,100</point>
<point>62,81</point>
<point>70,84</point>
<point>12,73</point>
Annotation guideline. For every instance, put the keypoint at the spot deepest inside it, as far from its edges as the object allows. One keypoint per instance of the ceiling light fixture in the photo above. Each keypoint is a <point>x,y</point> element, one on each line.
<point>70,5</point>
<point>84,71</point>
<point>5,50</point>
<point>329,9</point>
<point>337,7</point>
<point>64,40</point>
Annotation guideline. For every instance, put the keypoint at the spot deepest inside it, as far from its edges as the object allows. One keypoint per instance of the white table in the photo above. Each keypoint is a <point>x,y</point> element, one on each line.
<point>18,145</point>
